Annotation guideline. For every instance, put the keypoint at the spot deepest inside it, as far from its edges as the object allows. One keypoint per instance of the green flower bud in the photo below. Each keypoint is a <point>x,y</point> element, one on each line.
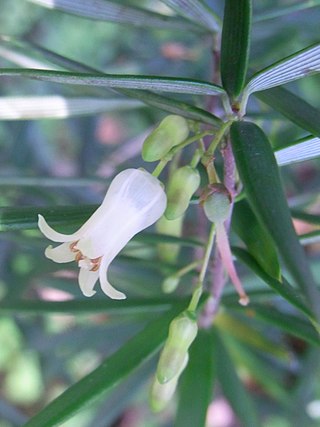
<point>217,203</point>
<point>182,185</point>
<point>161,394</point>
<point>170,284</point>
<point>182,332</point>
<point>169,252</point>
<point>170,132</point>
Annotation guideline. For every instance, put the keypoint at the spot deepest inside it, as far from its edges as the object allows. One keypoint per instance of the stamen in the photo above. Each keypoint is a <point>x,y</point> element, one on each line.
<point>73,246</point>
<point>79,256</point>
<point>96,263</point>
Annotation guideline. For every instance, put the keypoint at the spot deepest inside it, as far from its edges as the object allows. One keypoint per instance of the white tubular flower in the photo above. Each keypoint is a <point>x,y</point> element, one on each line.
<point>134,201</point>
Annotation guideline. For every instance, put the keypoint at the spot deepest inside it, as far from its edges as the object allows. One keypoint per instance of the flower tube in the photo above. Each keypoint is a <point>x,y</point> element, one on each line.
<point>134,201</point>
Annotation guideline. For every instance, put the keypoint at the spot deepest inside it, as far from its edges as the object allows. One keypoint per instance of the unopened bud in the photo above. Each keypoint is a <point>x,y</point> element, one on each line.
<point>161,394</point>
<point>182,332</point>
<point>170,132</point>
<point>170,284</point>
<point>217,203</point>
<point>182,185</point>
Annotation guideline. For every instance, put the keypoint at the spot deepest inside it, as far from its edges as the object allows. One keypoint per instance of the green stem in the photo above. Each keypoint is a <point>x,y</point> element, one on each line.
<point>218,137</point>
<point>196,158</point>
<point>188,141</point>
<point>159,168</point>
<point>199,286</point>
<point>163,162</point>
<point>187,268</point>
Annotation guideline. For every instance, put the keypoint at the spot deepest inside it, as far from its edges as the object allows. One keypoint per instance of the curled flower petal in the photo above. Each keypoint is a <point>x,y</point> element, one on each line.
<point>60,254</point>
<point>53,235</point>
<point>106,286</point>
<point>87,280</point>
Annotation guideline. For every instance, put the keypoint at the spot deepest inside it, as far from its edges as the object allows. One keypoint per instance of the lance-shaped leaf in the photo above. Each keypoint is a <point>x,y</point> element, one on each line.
<point>232,387</point>
<point>259,369</point>
<point>103,10</point>
<point>76,306</point>
<point>260,176</point>
<point>20,52</point>
<point>156,83</point>
<point>283,288</point>
<point>293,107</point>
<point>301,64</point>
<point>305,149</point>
<point>199,377</point>
<point>289,323</point>
<point>110,373</point>
<point>257,239</point>
<point>235,45</point>
<point>306,217</point>
<point>57,107</point>
<point>197,12</point>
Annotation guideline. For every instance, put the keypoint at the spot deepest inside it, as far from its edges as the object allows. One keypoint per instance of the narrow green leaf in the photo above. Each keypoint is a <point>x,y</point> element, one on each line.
<point>170,105</point>
<point>299,151</point>
<point>197,12</point>
<point>232,386</point>
<point>300,64</point>
<point>103,10</point>
<point>57,107</point>
<point>257,239</point>
<point>232,324</point>
<point>285,10</point>
<point>293,107</point>
<point>260,176</point>
<point>174,106</point>
<point>196,383</point>
<point>25,218</point>
<point>110,373</point>
<point>294,325</point>
<point>44,181</point>
<point>235,45</point>
<point>156,83</point>
<point>283,288</point>
<point>306,217</point>
<point>310,238</point>
<point>130,306</point>
<point>259,369</point>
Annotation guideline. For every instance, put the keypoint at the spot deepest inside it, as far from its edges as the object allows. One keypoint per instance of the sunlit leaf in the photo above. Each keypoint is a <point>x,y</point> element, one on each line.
<point>197,12</point>
<point>42,107</point>
<point>156,83</point>
<point>285,10</point>
<point>299,151</point>
<point>17,53</point>
<point>120,13</point>
<point>300,64</point>
<point>235,45</point>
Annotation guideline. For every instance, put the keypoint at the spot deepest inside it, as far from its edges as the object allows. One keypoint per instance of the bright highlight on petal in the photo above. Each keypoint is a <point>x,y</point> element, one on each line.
<point>134,201</point>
